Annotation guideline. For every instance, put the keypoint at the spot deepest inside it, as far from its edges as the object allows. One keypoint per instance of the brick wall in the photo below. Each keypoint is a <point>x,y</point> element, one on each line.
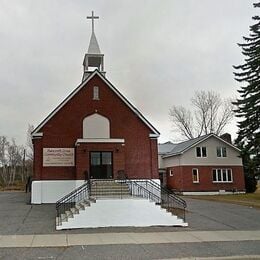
<point>83,157</point>
<point>182,179</point>
<point>65,127</point>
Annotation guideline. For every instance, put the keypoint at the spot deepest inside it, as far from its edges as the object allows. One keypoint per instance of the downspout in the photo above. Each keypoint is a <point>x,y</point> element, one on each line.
<point>151,161</point>
<point>181,173</point>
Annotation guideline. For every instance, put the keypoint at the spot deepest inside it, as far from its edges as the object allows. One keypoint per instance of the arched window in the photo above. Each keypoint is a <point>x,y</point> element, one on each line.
<point>96,126</point>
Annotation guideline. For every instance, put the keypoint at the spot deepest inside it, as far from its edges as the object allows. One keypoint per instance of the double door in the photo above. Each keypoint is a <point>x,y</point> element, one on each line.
<point>101,165</point>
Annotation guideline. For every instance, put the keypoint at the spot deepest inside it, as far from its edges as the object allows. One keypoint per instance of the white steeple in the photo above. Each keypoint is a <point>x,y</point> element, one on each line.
<point>93,58</point>
<point>93,47</point>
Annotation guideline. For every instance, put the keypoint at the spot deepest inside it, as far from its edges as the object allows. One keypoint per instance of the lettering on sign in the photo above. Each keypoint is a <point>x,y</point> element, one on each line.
<point>58,157</point>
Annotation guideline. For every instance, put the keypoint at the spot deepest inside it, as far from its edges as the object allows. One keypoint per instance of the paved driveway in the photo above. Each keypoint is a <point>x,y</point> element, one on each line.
<point>208,215</point>
<point>18,217</point>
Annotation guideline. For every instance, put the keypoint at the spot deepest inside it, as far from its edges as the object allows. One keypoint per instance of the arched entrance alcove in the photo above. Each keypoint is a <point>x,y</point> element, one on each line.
<point>96,126</point>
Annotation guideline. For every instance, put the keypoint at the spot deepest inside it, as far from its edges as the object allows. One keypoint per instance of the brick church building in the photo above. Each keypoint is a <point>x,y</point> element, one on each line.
<point>94,133</point>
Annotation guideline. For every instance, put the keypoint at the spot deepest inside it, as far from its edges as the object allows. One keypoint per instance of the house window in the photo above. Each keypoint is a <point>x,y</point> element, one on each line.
<point>229,174</point>
<point>95,93</point>
<point>222,175</point>
<point>195,176</point>
<point>171,173</point>
<point>201,151</point>
<point>221,152</point>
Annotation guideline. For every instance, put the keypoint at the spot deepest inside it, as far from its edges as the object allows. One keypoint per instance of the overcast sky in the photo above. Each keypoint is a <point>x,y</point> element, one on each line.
<point>157,53</point>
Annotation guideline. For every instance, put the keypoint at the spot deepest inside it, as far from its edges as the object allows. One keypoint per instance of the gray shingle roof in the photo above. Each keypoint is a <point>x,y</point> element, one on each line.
<point>180,147</point>
<point>171,148</point>
<point>165,147</point>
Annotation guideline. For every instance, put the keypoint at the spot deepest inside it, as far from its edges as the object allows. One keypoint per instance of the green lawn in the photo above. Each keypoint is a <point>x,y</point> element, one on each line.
<point>248,199</point>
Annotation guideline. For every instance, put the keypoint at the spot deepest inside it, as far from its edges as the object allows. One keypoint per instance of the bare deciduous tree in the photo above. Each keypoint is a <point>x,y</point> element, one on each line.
<point>29,144</point>
<point>3,159</point>
<point>210,115</point>
<point>14,167</point>
<point>15,157</point>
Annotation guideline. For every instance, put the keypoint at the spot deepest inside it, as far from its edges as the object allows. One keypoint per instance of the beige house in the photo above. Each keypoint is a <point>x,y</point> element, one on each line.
<point>203,165</point>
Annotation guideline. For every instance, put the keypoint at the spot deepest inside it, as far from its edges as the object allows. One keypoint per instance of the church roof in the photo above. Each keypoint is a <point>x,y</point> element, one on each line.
<point>93,45</point>
<point>155,133</point>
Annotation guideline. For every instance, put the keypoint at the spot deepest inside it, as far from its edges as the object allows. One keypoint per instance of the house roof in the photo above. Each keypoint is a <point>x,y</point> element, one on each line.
<point>166,147</point>
<point>182,147</point>
<point>155,133</point>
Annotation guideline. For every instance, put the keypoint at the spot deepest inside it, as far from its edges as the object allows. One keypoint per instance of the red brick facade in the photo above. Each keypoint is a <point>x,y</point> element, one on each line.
<point>83,160</point>
<point>137,156</point>
<point>181,179</point>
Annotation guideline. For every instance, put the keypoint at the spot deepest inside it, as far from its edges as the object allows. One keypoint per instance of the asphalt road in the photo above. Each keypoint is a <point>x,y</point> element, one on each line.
<point>17,217</point>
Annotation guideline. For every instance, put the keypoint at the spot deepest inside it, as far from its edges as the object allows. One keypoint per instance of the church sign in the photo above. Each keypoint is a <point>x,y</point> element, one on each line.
<point>58,157</point>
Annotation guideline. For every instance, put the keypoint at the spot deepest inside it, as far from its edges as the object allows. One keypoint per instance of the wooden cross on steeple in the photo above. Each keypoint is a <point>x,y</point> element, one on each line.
<point>92,17</point>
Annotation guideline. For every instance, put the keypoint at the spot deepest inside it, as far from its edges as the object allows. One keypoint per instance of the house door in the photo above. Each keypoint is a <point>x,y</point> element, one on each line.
<point>101,166</point>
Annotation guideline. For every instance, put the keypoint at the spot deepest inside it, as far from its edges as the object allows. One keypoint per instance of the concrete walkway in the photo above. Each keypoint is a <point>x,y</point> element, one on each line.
<point>65,240</point>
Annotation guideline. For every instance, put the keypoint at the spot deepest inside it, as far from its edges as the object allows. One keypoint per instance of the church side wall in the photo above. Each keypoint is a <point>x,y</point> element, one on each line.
<point>154,158</point>
<point>37,166</point>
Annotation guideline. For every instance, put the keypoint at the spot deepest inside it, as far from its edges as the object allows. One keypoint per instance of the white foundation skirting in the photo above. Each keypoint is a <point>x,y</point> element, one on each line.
<point>51,191</point>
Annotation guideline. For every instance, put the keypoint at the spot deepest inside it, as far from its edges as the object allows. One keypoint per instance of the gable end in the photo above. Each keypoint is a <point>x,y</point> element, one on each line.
<point>155,133</point>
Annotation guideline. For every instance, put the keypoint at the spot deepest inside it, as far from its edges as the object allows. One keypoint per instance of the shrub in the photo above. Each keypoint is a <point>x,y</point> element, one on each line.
<point>251,184</point>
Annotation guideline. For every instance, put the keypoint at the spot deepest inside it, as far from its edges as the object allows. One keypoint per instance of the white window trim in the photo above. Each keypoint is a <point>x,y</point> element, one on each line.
<point>100,140</point>
<point>170,173</point>
<point>221,181</point>
<point>221,151</point>
<point>201,152</point>
<point>198,176</point>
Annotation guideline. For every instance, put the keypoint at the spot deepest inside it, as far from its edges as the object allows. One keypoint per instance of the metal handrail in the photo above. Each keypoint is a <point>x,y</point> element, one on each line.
<point>168,200</point>
<point>140,191</point>
<point>69,201</point>
<point>178,200</point>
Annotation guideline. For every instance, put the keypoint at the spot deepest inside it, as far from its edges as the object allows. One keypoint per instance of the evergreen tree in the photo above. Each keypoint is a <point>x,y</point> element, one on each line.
<point>248,105</point>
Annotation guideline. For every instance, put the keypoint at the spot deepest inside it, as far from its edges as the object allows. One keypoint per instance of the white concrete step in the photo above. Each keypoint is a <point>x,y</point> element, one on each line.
<point>74,210</point>
<point>113,196</point>
<point>121,213</point>
<point>92,200</point>
<point>118,187</point>
<point>69,214</point>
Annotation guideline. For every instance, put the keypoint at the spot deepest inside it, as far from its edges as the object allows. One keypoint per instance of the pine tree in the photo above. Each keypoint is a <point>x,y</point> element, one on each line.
<point>248,105</point>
